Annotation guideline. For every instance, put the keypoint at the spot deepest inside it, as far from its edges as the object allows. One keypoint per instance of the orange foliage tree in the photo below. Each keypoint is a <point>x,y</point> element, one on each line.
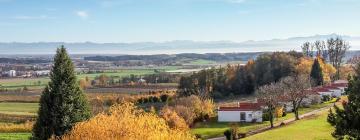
<point>125,121</point>
<point>305,64</point>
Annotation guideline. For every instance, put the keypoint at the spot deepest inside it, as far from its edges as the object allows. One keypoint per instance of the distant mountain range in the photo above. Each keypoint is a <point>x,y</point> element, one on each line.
<point>171,47</point>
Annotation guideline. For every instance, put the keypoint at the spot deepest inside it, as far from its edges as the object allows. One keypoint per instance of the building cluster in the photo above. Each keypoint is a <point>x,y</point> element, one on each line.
<point>253,111</point>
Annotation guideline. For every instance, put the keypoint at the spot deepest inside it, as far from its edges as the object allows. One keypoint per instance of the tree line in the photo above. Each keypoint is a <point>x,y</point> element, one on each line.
<point>240,79</point>
<point>267,68</point>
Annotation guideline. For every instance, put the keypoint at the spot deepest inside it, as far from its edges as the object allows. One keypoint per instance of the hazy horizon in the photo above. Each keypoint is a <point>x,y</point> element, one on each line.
<point>160,21</point>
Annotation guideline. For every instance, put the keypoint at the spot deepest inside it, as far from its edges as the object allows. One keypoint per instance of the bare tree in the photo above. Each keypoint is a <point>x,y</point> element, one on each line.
<point>337,49</point>
<point>270,95</point>
<point>295,90</point>
<point>307,49</point>
<point>321,49</point>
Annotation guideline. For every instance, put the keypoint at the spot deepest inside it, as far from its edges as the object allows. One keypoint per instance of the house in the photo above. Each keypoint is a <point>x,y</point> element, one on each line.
<point>341,86</point>
<point>336,92</point>
<point>322,91</point>
<point>244,112</point>
<point>312,98</point>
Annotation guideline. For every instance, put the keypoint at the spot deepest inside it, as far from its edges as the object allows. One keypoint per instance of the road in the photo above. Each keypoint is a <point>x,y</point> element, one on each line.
<point>314,112</point>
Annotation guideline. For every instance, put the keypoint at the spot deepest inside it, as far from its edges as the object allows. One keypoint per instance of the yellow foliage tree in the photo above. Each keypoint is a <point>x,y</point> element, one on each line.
<point>304,67</point>
<point>278,112</point>
<point>173,119</point>
<point>126,122</point>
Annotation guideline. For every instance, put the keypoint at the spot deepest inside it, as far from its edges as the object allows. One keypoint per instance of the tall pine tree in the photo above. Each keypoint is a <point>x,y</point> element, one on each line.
<point>62,103</point>
<point>316,73</point>
<point>347,120</point>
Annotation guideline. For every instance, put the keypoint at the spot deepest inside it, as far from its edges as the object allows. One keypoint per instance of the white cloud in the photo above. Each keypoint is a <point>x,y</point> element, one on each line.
<point>82,14</point>
<point>33,17</point>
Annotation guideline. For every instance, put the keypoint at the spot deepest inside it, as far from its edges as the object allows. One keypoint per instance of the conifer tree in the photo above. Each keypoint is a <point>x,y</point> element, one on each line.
<point>62,103</point>
<point>347,120</point>
<point>316,73</point>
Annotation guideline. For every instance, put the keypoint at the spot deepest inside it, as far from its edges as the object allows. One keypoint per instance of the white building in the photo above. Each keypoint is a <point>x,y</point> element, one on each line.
<point>12,73</point>
<point>245,112</point>
<point>336,92</point>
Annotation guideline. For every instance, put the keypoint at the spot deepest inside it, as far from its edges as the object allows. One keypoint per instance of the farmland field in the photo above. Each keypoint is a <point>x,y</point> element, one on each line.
<point>14,136</point>
<point>14,108</point>
<point>120,73</point>
<point>38,83</point>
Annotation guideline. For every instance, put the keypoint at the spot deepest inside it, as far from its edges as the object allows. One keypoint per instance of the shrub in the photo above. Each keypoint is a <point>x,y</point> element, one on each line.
<point>227,134</point>
<point>325,98</point>
<point>266,116</point>
<point>125,121</point>
<point>331,118</point>
<point>173,119</point>
<point>164,98</point>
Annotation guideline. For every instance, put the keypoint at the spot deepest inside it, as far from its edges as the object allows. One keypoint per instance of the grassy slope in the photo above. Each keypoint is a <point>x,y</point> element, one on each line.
<point>19,108</point>
<point>14,136</point>
<point>314,128</point>
<point>216,129</point>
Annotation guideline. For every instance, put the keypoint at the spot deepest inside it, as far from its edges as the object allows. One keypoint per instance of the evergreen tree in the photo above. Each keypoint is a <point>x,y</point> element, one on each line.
<point>347,120</point>
<point>316,73</point>
<point>62,103</point>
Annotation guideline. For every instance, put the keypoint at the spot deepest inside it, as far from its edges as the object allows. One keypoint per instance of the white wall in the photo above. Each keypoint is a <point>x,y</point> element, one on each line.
<point>234,116</point>
<point>336,92</point>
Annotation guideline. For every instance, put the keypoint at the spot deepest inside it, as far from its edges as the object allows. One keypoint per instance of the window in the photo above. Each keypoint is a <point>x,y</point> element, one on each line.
<point>250,115</point>
<point>242,116</point>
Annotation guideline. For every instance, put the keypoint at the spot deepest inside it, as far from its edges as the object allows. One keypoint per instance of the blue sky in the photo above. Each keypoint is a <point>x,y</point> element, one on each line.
<point>166,20</point>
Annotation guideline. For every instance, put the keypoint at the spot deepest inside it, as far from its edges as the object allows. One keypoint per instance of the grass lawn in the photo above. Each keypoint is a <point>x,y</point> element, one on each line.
<point>19,108</point>
<point>314,128</point>
<point>32,83</point>
<point>15,136</point>
<point>216,129</point>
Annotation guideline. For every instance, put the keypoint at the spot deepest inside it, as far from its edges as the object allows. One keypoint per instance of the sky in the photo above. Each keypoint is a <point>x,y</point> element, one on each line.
<point>166,20</point>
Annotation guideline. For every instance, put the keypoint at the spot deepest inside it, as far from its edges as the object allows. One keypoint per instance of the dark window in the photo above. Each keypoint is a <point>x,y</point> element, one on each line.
<point>242,116</point>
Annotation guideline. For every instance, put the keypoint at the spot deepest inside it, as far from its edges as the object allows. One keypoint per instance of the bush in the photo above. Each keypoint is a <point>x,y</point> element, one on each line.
<point>155,99</point>
<point>227,134</point>
<point>266,116</point>
<point>126,121</point>
<point>164,98</point>
<point>325,98</point>
<point>331,118</point>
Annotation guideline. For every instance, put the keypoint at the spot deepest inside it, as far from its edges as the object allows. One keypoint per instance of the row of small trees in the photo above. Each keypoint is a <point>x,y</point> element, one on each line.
<point>332,50</point>
<point>289,89</point>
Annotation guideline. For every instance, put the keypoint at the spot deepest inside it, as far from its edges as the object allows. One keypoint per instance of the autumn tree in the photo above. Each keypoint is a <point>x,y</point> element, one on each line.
<point>173,119</point>
<point>193,108</point>
<point>270,95</point>
<point>126,121</point>
<point>316,73</point>
<point>103,79</point>
<point>272,67</point>
<point>295,89</point>
<point>62,103</point>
